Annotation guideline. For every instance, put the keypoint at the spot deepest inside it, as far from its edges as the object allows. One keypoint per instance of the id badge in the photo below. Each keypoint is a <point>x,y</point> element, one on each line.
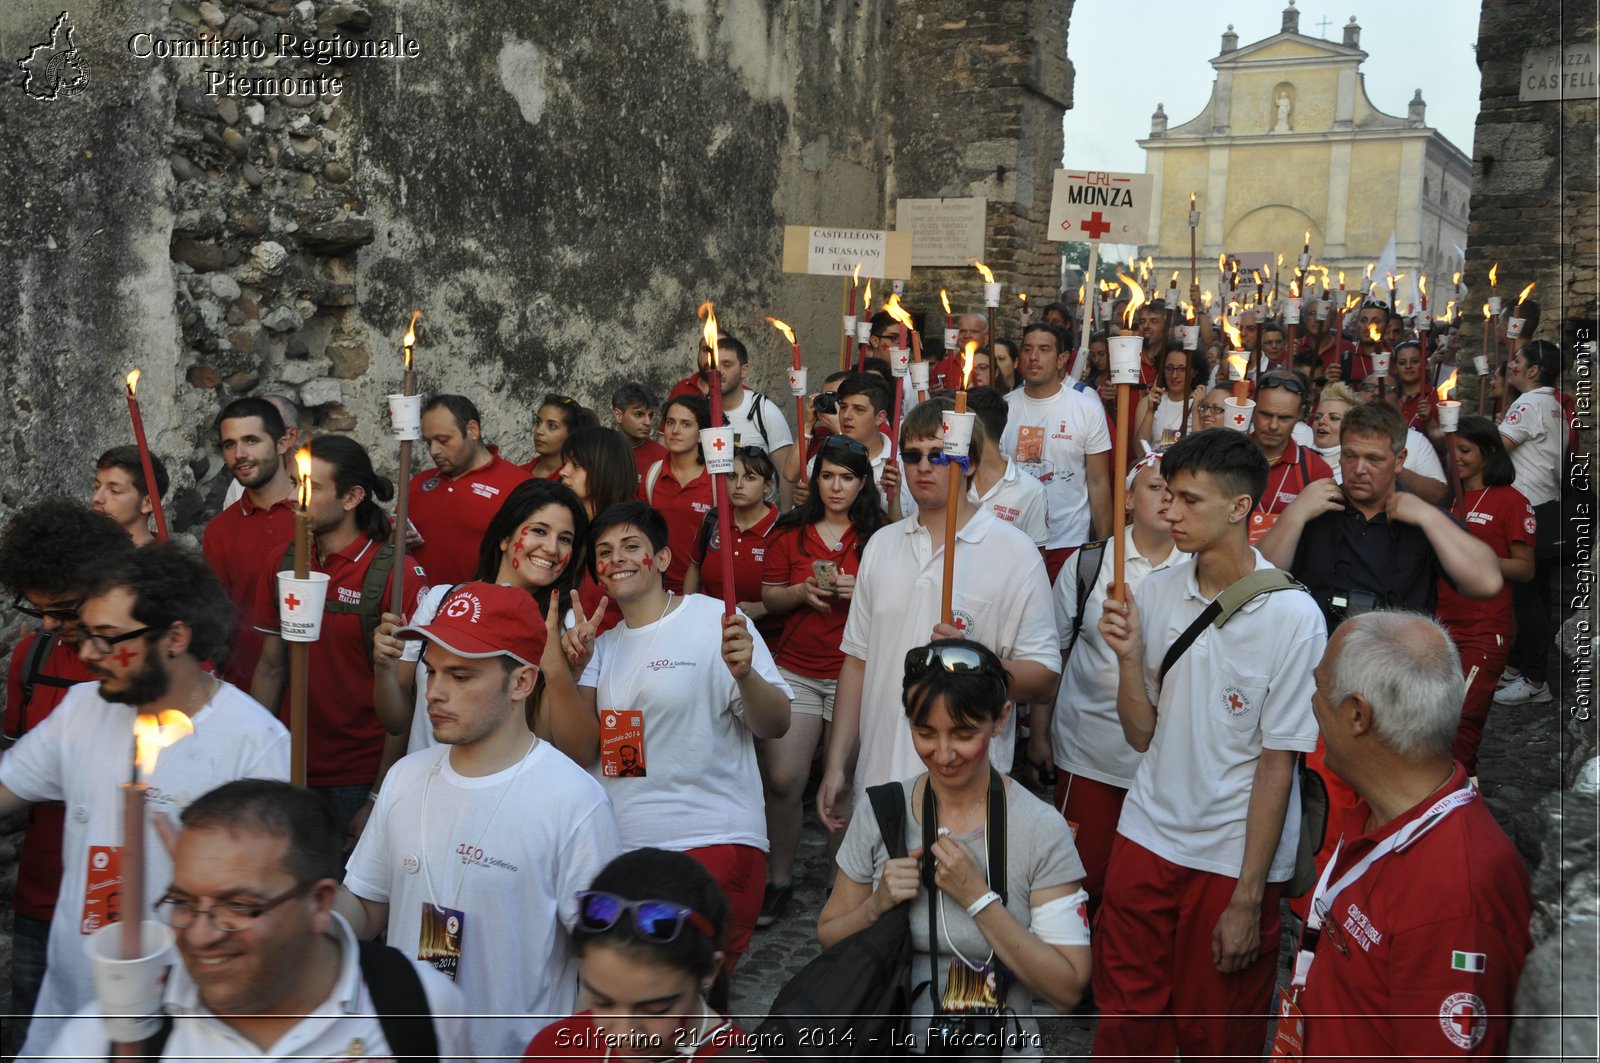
<point>1289,1039</point>
<point>102,889</point>
<point>1260,524</point>
<point>1030,444</point>
<point>622,744</point>
<point>973,988</point>
<point>440,942</point>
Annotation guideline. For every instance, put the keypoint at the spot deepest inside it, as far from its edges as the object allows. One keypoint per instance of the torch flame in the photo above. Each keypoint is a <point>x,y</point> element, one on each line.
<point>1136,302</point>
<point>1174,278</point>
<point>1238,363</point>
<point>1308,239</point>
<point>898,312</point>
<point>866,300</point>
<point>988,274</point>
<point>967,352</point>
<point>133,381</point>
<point>1455,278</point>
<point>1235,341</point>
<point>1494,273</point>
<point>1486,311</point>
<point>1422,284</point>
<point>1222,262</point>
<point>855,275</point>
<point>1191,200</point>
<point>1524,294</point>
<point>788,333</point>
<point>1449,311</point>
<point>1206,297</point>
<point>944,297</point>
<point>1294,288</point>
<point>1341,280</point>
<point>709,316</point>
<point>1448,386</point>
<point>152,734</point>
<point>1188,312</point>
<point>302,464</point>
<point>1370,267</point>
<point>1373,334</point>
<point>411,332</point>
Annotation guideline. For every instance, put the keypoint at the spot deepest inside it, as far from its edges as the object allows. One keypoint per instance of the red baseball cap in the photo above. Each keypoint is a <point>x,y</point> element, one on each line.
<point>481,620</point>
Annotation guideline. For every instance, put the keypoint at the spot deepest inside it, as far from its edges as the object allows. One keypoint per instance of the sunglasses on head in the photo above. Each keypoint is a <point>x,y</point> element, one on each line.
<point>1287,383</point>
<point>652,920</point>
<point>852,445</point>
<point>553,399</point>
<point>920,660</point>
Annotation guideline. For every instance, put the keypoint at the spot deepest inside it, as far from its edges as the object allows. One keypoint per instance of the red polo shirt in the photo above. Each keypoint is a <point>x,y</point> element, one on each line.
<point>810,640</point>
<point>749,561</point>
<point>240,544</point>
<point>346,741</point>
<point>1409,409</point>
<point>39,862</point>
<point>684,506</point>
<point>1288,476</point>
<point>645,455</point>
<point>1420,956</point>
<point>1501,517</point>
<point>452,515</point>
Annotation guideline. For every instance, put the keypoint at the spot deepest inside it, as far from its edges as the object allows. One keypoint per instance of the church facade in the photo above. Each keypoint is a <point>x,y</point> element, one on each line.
<point>1289,143</point>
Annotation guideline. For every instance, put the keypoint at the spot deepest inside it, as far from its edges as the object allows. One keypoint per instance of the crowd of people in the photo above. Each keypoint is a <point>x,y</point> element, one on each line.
<point>565,781</point>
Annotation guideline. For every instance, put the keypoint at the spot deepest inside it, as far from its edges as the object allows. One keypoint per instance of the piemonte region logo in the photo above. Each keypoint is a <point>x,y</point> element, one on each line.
<point>51,66</point>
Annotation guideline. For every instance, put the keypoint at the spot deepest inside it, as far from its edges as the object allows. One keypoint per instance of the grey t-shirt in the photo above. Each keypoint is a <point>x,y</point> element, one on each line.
<point>1039,855</point>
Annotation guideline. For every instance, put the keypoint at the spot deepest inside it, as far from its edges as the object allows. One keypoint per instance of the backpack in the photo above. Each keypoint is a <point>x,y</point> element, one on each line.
<point>855,998</point>
<point>397,997</point>
<point>1091,556</point>
<point>33,675</point>
<point>374,593</point>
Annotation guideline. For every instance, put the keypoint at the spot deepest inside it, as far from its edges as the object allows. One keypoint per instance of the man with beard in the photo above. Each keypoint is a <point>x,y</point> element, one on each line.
<point>242,540</point>
<point>453,505</point>
<point>756,421</point>
<point>148,620</point>
<point>44,556</point>
<point>291,437</point>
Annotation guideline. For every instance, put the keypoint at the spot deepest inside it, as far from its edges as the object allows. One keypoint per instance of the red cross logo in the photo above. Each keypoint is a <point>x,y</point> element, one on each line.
<point>1236,702</point>
<point>291,601</point>
<point>1096,226</point>
<point>1238,419</point>
<point>717,444</point>
<point>124,655</point>
<point>1461,1017</point>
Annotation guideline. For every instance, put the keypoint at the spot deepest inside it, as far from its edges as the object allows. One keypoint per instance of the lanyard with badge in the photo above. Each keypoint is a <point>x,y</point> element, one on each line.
<point>1289,1040</point>
<point>439,942</point>
<point>622,725</point>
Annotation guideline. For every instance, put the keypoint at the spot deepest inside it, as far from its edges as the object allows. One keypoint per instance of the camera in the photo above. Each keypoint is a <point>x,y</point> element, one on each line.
<point>966,1035</point>
<point>826,402</point>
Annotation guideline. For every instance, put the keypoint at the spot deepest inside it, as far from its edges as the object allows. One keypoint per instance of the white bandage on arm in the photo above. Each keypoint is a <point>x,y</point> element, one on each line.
<point>1063,921</point>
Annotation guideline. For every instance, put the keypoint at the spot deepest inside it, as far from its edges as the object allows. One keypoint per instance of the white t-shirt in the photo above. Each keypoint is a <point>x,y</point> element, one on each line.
<point>1303,434</point>
<point>746,429</point>
<point>509,851</point>
<point>1085,731</point>
<point>1421,458</point>
<point>1537,424</point>
<point>1017,499</point>
<point>1239,689</point>
<point>347,1017</point>
<point>1068,426</point>
<point>78,755</point>
<point>1169,417</point>
<point>881,462</point>
<point>701,785</point>
<point>1001,599</point>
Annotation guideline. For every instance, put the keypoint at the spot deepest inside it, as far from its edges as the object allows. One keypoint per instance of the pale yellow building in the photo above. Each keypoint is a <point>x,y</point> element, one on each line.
<point>1289,142</point>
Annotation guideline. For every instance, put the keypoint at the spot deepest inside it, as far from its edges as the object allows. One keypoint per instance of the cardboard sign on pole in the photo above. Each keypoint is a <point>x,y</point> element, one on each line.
<point>836,252</point>
<point>1099,205</point>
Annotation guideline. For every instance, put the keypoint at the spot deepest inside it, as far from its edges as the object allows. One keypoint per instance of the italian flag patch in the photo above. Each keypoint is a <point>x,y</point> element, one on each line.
<point>1472,962</point>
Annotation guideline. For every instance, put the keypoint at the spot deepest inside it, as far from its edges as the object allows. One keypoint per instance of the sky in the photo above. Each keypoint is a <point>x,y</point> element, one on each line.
<point>1123,72</point>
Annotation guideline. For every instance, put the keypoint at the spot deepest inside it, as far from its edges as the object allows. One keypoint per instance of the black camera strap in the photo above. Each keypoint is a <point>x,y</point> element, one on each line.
<point>995,839</point>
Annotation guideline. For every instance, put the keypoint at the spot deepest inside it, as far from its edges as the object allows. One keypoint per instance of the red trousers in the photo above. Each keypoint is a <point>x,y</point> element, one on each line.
<point>1159,991</point>
<point>1341,799</point>
<point>1482,661</point>
<point>741,871</point>
<point>1092,809</point>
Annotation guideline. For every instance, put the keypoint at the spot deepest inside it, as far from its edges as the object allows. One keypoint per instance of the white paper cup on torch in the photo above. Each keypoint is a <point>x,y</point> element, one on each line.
<point>1238,362</point>
<point>1238,414</point>
<point>405,414</point>
<point>1495,305</point>
<point>1105,310</point>
<point>718,446</point>
<point>1305,260</point>
<point>1173,297</point>
<point>919,376</point>
<point>958,433</point>
<point>952,342</point>
<point>898,287</point>
<point>1291,311</point>
<point>1380,364</point>
<point>1449,415</point>
<point>300,606</point>
<point>1423,320</point>
<point>850,325</point>
<point>797,382</point>
<point>1190,335</point>
<point>1480,362</point>
<point>991,294</point>
<point>863,331</point>
<point>129,991</point>
<point>900,360</point>
<point>1125,358</point>
<point>1324,309</point>
<point>1514,327</point>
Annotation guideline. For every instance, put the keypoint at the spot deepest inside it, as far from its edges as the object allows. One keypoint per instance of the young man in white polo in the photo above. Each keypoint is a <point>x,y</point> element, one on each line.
<point>1187,939</point>
<point>477,847</point>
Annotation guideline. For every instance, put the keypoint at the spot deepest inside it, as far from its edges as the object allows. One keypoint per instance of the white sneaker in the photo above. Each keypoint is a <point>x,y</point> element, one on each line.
<point>1507,677</point>
<point>1521,692</point>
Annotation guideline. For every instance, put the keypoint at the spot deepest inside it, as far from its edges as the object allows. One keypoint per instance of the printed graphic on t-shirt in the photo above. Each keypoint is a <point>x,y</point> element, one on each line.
<point>102,891</point>
<point>622,744</point>
<point>439,945</point>
<point>1030,444</point>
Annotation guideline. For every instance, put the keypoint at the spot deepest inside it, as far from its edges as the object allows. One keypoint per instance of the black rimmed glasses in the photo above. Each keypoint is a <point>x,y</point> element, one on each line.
<point>662,921</point>
<point>227,918</point>
<point>102,644</point>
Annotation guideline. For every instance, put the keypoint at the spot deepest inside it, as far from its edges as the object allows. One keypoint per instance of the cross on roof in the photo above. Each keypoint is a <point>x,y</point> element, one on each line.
<point>1323,26</point>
